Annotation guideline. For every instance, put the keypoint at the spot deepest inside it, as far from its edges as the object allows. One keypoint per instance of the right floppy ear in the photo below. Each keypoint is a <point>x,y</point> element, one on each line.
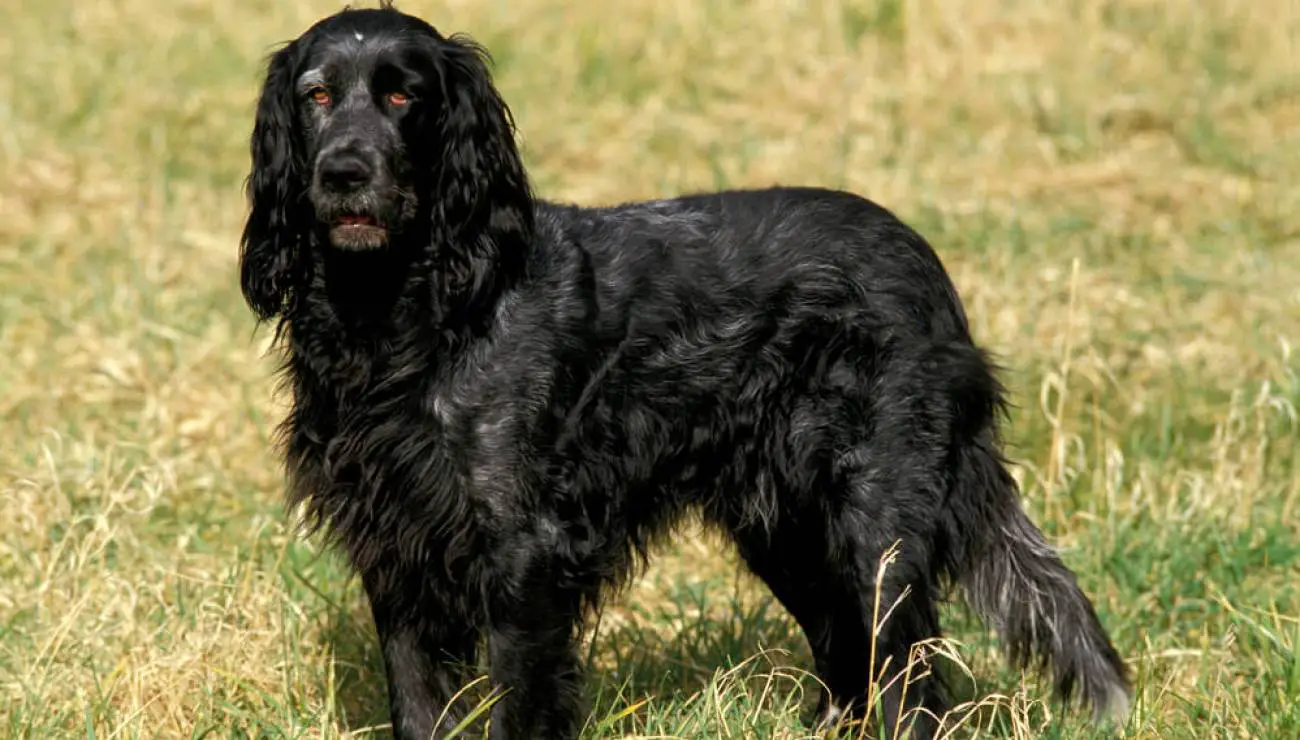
<point>270,259</point>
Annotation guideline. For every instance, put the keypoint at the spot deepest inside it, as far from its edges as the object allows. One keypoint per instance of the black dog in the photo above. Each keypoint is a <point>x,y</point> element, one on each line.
<point>499,402</point>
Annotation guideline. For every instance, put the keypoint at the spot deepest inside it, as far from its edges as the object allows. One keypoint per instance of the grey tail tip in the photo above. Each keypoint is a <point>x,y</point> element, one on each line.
<point>1115,705</point>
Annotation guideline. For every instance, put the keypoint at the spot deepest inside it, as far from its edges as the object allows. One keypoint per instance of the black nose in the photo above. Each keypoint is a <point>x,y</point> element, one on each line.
<point>345,172</point>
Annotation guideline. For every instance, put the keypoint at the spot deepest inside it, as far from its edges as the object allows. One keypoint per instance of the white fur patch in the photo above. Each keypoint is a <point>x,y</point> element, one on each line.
<point>359,36</point>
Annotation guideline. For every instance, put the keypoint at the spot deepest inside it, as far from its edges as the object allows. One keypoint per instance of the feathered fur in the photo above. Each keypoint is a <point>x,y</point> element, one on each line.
<point>499,402</point>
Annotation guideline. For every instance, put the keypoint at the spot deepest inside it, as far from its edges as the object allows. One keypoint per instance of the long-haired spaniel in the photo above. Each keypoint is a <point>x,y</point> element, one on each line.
<point>499,403</point>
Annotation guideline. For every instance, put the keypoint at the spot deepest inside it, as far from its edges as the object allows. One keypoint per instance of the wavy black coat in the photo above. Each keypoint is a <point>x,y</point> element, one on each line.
<point>496,414</point>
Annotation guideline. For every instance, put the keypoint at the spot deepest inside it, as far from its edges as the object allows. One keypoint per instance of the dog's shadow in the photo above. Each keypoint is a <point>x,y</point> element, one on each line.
<point>705,639</point>
<point>360,687</point>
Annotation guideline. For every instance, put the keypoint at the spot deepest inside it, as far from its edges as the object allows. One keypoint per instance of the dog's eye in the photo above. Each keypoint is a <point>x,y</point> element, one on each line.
<point>320,95</point>
<point>398,98</point>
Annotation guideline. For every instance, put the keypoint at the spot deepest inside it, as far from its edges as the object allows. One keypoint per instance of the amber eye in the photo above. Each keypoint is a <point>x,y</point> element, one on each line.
<point>320,95</point>
<point>398,98</point>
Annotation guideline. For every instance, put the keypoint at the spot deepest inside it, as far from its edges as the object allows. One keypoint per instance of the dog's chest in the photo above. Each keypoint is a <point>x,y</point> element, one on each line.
<point>385,473</point>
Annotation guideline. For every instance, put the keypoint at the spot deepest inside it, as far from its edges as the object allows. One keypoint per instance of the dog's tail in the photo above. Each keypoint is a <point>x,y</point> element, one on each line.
<point>1009,573</point>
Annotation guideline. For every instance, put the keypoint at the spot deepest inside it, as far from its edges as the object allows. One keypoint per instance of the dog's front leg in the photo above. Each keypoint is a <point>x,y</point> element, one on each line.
<point>425,651</point>
<point>532,644</point>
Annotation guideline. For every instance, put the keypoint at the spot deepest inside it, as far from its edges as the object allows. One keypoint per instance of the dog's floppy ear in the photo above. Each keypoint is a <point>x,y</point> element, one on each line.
<point>483,216</point>
<point>270,251</point>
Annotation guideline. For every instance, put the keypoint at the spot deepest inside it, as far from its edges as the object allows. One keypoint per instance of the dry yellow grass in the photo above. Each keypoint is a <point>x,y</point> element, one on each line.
<point>1113,185</point>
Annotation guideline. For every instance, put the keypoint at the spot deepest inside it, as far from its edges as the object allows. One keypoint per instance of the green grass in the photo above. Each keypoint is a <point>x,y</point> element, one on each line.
<point>1113,186</point>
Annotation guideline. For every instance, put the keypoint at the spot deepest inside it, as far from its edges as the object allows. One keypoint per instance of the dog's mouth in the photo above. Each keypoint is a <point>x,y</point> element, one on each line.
<point>358,231</point>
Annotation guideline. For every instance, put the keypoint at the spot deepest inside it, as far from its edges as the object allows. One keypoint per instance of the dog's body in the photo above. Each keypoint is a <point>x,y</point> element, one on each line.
<point>499,402</point>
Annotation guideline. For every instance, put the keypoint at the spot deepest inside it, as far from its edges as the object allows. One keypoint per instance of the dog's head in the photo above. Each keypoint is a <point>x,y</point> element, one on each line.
<point>375,132</point>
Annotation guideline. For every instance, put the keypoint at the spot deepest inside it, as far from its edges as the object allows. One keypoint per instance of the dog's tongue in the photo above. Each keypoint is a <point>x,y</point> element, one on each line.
<point>357,221</point>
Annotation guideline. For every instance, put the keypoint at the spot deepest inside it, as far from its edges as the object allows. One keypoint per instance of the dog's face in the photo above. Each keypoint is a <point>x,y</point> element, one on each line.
<point>375,132</point>
<point>364,93</point>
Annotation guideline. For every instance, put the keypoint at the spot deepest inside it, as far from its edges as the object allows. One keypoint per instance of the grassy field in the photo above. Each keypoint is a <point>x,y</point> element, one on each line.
<point>1114,185</point>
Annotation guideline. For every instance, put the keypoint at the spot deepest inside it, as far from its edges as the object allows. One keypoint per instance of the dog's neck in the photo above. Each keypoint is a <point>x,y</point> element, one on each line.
<point>358,309</point>
<point>371,290</point>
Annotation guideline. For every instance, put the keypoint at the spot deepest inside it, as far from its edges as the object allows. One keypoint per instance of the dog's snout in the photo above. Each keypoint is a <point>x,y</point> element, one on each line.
<point>345,172</point>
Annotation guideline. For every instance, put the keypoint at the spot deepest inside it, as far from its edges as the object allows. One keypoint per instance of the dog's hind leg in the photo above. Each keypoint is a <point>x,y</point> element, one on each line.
<point>825,574</point>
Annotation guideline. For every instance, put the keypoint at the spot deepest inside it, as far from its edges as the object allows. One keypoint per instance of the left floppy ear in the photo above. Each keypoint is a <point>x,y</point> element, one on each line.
<point>483,216</point>
<point>270,254</point>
